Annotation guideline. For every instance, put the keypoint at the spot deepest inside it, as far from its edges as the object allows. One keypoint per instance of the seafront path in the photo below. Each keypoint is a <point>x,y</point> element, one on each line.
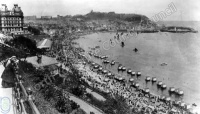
<point>83,104</point>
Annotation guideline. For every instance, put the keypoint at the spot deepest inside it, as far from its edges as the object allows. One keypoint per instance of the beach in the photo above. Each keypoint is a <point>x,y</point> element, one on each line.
<point>178,51</point>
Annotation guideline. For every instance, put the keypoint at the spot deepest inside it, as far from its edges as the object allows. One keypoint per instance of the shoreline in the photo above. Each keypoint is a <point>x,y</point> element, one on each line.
<point>137,91</point>
<point>119,74</point>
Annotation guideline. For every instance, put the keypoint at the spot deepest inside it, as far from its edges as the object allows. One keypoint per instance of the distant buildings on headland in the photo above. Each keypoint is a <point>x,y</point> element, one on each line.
<point>34,17</point>
<point>14,22</point>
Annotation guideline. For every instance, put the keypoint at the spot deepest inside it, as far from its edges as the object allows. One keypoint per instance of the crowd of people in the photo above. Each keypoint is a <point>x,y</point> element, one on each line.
<point>139,99</point>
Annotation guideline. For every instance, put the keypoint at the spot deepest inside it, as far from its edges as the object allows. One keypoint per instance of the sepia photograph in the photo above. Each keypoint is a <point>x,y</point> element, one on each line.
<point>99,57</point>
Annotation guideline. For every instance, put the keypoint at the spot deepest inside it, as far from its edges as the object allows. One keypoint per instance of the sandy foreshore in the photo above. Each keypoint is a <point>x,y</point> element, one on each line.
<point>95,42</point>
<point>135,97</point>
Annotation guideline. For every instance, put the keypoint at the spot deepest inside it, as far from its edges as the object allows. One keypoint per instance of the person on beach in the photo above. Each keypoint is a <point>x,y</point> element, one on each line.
<point>122,44</point>
<point>136,50</point>
<point>118,37</point>
<point>122,90</point>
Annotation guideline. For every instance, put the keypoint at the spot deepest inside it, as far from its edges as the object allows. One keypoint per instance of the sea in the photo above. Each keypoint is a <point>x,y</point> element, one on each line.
<point>180,52</point>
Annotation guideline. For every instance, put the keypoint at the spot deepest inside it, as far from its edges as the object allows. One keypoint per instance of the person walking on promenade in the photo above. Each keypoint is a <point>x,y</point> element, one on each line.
<point>8,76</point>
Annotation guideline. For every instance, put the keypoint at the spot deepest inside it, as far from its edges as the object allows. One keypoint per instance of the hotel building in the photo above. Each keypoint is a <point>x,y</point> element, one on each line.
<point>11,21</point>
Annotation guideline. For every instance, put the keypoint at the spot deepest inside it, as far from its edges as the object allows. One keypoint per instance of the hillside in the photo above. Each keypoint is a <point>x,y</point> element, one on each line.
<point>112,16</point>
<point>116,18</point>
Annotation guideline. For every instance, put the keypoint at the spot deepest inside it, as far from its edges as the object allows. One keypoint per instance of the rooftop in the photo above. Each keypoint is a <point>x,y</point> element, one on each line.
<point>45,61</point>
<point>46,43</point>
<point>16,10</point>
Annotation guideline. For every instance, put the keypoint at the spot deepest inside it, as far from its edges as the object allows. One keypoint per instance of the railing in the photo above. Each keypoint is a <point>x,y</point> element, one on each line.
<point>20,94</point>
<point>26,93</point>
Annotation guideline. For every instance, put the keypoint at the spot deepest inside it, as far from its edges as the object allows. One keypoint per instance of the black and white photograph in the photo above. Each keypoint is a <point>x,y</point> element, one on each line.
<point>99,57</point>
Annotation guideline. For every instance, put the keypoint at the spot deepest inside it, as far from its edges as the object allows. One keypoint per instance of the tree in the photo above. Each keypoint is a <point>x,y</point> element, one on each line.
<point>74,105</point>
<point>77,91</point>
<point>25,44</point>
<point>33,30</point>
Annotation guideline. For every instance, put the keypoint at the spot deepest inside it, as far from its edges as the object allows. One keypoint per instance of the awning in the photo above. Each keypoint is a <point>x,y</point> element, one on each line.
<point>168,99</point>
<point>46,43</point>
<point>131,79</point>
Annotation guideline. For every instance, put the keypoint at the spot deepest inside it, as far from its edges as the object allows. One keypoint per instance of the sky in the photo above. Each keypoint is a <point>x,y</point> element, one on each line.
<point>186,10</point>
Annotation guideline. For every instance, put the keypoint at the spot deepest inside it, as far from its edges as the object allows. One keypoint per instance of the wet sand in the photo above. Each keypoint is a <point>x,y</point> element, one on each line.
<point>181,52</point>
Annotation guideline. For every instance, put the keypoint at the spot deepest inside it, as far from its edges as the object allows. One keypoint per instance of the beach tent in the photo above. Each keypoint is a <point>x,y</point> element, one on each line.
<point>182,104</point>
<point>100,68</point>
<point>188,106</point>
<point>109,74</point>
<point>120,78</point>
<point>174,110</point>
<point>137,85</point>
<point>160,83</point>
<point>167,99</point>
<point>129,71</point>
<point>106,79</point>
<point>44,44</point>
<point>105,71</point>
<point>180,92</point>
<point>146,90</point>
<point>177,102</point>
<point>84,63</point>
<point>139,73</point>
<point>123,68</point>
<point>164,86</point>
<point>148,78</point>
<point>96,66</point>
<point>120,68</point>
<point>131,79</point>
<point>112,62</point>
<point>132,73</point>
<point>154,79</point>
<point>172,89</point>
<point>133,84</point>
<point>163,98</point>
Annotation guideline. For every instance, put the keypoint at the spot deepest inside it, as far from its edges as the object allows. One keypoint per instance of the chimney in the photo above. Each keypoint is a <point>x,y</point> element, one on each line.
<point>15,5</point>
<point>4,7</point>
<point>39,59</point>
<point>3,4</point>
